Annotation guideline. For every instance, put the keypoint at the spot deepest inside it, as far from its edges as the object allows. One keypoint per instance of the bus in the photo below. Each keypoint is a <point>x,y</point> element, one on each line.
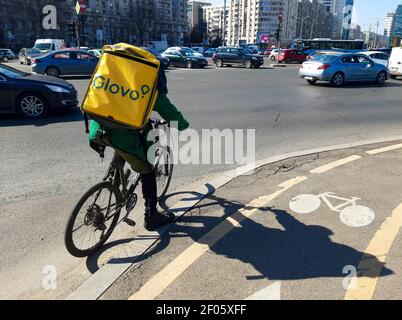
<point>309,46</point>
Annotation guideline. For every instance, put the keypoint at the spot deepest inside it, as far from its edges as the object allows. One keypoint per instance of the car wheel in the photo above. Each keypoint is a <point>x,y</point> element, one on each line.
<point>338,79</point>
<point>381,77</point>
<point>312,82</point>
<point>5,59</point>
<point>21,62</point>
<point>32,105</point>
<point>272,58</point>
<point>189,65</point>
<point>53,72</point>
<point>392,77</point>
<point>247,64</point>
<point>219,63</point>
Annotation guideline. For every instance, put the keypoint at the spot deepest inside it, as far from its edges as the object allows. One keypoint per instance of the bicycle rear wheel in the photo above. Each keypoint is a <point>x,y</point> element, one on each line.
<point>163,171</point>
<point>93,219</point>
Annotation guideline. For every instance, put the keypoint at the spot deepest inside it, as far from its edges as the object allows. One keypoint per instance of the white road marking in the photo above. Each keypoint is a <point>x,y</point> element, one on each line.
<point>162,280</point>
<point>272,292</point>
<point>305,203</point>
<point>357,216</point>
<point>335,164</point>
<point>385,149</point>
<point>370,266</point>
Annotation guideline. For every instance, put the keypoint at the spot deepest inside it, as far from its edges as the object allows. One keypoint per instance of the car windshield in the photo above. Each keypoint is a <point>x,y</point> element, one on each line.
<point>43,46</point>
<point>186,53</point>
<point>12,73</point>
<point>33,51</point>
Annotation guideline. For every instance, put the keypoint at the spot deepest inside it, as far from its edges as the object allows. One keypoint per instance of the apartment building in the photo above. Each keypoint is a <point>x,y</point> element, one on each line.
<point>248,18</point>
<point>104,21</point>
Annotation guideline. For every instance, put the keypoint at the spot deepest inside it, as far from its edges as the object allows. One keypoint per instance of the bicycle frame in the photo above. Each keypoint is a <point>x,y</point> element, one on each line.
<point>115,174</point>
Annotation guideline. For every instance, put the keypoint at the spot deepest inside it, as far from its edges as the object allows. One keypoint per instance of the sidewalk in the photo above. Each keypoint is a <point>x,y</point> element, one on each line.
<point>320,226</point>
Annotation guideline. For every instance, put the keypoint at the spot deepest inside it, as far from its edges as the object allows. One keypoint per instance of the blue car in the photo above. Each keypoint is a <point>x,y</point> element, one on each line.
<point>65,62</point>
<point>340,68</point>
<point>209,52</point>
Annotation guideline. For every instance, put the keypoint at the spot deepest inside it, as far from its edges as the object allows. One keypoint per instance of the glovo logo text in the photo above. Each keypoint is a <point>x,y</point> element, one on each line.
<point>102,83</point>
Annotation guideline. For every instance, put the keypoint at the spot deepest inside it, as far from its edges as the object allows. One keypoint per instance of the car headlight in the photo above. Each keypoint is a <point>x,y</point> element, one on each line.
<point>254,58</point>
<point>58,89</point>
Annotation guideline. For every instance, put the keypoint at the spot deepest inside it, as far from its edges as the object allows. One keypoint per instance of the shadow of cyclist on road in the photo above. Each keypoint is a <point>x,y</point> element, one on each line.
<point>299,251</point>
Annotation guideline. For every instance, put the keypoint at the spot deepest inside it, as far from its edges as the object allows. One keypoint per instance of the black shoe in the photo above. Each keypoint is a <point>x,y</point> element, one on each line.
<point>157,219</point>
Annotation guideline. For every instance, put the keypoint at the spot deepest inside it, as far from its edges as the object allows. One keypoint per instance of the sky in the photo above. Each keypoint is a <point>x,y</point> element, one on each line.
<point>365,12</point>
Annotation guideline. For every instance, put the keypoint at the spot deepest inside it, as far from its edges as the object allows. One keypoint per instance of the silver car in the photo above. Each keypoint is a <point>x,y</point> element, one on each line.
<point>341,68</point>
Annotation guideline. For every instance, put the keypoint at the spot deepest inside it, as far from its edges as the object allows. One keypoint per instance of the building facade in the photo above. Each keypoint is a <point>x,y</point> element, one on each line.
<point>397,25</point>
<point>249,18</point>
<point>389,24</point>
<point>327,3</point>
<point>314,20</point>
<point>105,21</point>
<point>195,13</point>
<point>355,32</point>
<point>214,18</point>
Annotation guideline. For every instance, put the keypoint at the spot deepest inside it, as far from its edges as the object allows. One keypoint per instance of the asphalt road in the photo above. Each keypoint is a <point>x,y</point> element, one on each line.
<point>45,165</point>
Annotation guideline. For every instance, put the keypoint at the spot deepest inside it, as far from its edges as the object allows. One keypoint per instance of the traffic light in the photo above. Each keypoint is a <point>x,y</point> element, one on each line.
<point>71,29</point>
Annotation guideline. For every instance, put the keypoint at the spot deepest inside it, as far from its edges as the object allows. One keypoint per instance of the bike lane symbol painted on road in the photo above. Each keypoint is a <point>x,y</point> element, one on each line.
<point>350,213</point>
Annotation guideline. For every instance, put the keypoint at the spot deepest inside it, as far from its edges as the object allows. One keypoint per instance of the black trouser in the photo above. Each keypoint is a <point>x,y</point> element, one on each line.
<point>149,190</point>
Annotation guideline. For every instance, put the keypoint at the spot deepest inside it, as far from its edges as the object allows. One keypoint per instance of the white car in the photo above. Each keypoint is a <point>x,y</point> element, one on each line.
<point>197,54</point>
<point>273,56</point>
<point>377,57</point>
<point>395,63</point>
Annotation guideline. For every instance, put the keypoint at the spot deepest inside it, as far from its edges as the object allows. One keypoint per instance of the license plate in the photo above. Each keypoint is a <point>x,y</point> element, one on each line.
<point>309,78</point>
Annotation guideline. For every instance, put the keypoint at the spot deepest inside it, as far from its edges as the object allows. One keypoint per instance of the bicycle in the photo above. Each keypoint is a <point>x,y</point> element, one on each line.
<point>107,198</point>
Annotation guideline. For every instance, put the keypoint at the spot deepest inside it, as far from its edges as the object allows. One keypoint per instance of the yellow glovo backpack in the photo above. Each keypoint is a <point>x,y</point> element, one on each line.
<point>122,91</point>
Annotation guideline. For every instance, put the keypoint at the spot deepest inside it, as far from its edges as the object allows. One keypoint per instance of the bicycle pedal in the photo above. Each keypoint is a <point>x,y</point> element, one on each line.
<point>130,222</point>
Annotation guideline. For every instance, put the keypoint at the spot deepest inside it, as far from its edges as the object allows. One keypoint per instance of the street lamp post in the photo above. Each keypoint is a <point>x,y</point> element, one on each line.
<point>224,24</point>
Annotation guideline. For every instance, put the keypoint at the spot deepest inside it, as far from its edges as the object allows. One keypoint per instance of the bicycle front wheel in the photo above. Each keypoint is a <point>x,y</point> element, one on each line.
<point>93,219</point>
<point>163,171</point>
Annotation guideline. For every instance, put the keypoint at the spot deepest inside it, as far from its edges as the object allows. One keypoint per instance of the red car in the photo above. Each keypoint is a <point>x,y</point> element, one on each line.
<point>292,55</point>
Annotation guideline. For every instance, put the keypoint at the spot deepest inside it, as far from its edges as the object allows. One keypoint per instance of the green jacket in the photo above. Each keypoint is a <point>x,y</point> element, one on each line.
<point>130,141</point>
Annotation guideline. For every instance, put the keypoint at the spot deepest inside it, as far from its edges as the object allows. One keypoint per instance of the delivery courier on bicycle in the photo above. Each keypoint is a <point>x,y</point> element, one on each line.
<point>127,86</point>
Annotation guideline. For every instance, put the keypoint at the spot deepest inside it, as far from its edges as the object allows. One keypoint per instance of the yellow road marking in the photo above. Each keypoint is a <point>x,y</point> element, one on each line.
<point>335,164</point>
<point>370,265</point>
<point>385,149</point>
<point>158,283</point>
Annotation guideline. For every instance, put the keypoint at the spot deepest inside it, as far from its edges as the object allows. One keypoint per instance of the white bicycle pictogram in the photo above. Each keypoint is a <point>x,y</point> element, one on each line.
<point>350,212</point>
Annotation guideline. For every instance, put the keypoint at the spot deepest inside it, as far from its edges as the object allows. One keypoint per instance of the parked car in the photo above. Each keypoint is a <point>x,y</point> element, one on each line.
<point>187,49</point>
<point>96,52</point>
<point>198,49</point>
<point>26,55</point>
<point>184,58</point>
<point>209,52</point>
<point>65,62</point>
<point>267,52</point>
<point>273,56</point>
<point>341,68</point>
<point>377,57</point>
<point>33,96</point>
<point>292,55</point>
<point>165,62</point>
<point>6,55</point>
<point>383,50</point>
<point>236,56</point>
<point>395,63</point>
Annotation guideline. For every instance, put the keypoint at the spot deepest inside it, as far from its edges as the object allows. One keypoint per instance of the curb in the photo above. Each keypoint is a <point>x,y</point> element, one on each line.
<point>101,280</point>
<point>278,65</point>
